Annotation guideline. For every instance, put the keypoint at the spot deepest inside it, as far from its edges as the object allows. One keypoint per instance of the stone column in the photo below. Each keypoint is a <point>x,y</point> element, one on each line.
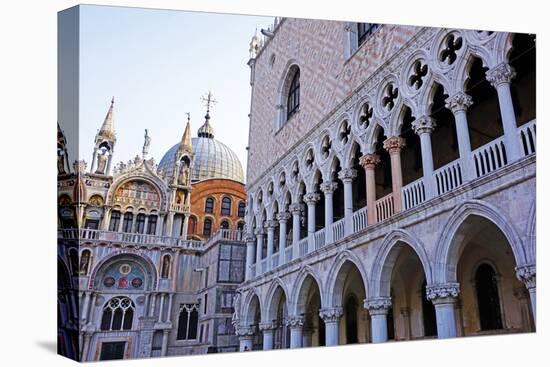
<point>295,324</point>
<point>528,275</point>
<point>164,346</point>
<point>106,218</point>
<point>85,346</point>
<point>160,224</point>
<point>394,145</point>
<point>347,175</point>
<point>267,331</point>
<point>145,224</point>
<point>459,104</point>
<point>170,224</point>
<point>259,244</point>
<point>86,305</point>
<point>246,336</point>
<point>443,296</point>
<point>296,210</point>
<point>423,127</point>
<point>250,243</point>
<point>500,77</point>
<point>161,306</point>
<point>153,299</point>
<point>185,226</point>
<point>145,340</point>
<point>369,162</point>
<point>378,310</point>
<point>169,311</point>
<point>270,226</point>
<point>328,189</point>
<point>331,317</point>
<point>283,218</point>
<point>311,199</point>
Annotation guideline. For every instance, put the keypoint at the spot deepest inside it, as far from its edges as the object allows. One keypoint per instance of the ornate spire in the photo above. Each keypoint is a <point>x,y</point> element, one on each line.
<point>107,130</point>
<point>185,144</point>
<point>206,130</point>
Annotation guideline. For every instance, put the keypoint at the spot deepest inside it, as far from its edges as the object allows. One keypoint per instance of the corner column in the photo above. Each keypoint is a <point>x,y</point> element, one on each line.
<point>246,335</point>
<point>444,296</point>
<point>331,317</point>
<point>459,104</point>
<point>267,331</point>
<point>295,324</point>
<point>423,127</point>
<point>250,243</point>
<point>296,210</point>
<point>369,162</point>
<point>378,310</point>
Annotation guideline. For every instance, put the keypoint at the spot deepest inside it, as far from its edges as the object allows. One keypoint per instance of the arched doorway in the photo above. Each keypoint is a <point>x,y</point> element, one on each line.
<point>308,306</point>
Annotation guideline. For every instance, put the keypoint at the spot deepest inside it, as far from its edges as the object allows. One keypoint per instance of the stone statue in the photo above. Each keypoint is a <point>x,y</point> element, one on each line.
<point>236,308</point>
<point>60,162</point>
<point>101,163</point>
<point>184,176</point>
<point>146,144</point>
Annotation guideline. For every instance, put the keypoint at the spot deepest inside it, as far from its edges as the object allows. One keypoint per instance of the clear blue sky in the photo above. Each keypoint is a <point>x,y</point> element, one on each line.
<point>158,64</point>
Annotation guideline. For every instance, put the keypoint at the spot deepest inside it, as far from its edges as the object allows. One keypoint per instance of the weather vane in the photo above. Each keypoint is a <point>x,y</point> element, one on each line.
<point>208,101</point>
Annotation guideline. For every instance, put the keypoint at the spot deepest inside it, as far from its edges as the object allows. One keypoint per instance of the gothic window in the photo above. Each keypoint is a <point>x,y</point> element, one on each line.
<point>209,206</point>
<point>118,314</point>
<point>152,225</point>
<point>207,227</point>
<point>488,300</point>
<point>127,224</point>
<point>293,98</point>
<point>226,206</point>
<point>242,209</point>
<point>165,272</point>
<point>224,224</point>
<point>140,223</point>
<point>115,221</point>
<point>188,321</point>
<point>364,30</point>
<point>240,226</point>
<point>85,257</point>
<point>231,263</point>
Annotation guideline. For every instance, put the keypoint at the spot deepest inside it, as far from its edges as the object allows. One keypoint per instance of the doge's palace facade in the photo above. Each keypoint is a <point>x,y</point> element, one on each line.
<point>390,185</point>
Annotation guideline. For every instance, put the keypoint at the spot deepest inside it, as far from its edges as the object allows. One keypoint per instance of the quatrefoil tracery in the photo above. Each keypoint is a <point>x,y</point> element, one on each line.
<point>344,132</point>
<point>390,95</point>
<point>365,116</point>
<point>449,53</point>
<point>418,73</point>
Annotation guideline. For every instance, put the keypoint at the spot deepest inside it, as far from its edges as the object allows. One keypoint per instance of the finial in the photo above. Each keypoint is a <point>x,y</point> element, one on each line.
<point>113,100</point>
<point>188,116</point>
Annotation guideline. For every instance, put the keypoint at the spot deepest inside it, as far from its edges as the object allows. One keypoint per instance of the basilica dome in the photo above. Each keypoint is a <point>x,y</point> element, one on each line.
<point>212,158</point>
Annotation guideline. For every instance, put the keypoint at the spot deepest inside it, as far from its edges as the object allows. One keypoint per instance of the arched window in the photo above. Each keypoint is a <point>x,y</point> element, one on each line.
<point>242,209</point>
<point>85,257</point>
<point>224,224</point>
<point>188,321</point>
<point>140,223</point>
<point>165,272</point>
<point>118,314</point>
<point>209,206</point>
<point>152,225</point>
<point>240,226</point>
<point>127,224</point>
<point>226,206</point>
<point>192,226</point>
<point>293,98</point>
<point>488,300</point>
<point>115,221</point>
<point>207,227</point>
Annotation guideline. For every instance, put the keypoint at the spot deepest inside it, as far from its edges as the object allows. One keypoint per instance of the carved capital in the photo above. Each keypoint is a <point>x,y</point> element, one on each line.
<point>423,125</point>
<point>369,161</point>
<point>502,73</point>
<point>311,198</point>
<point>295,322</point>
<point>245,332</point>
<point>250,239</point>
<point>347,174</point>
<point>443,293</point>
<point>259,231</point>
<point>328,187</point>
<point>528,275</point>
<point>378,306</point>
<point>283,217</point>
<point>270,224</point>
<point>331,314</point>
<point>295,208</point>
<point>266,326</point>
<point>394,144</point>
<point>459,102</point>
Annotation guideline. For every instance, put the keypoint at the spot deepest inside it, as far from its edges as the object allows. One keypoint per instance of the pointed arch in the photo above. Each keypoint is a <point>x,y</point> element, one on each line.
<point>252,302</point>
<point>447,257</point>
<point>274,293</point>
<point>386,257</point>
<point>335,278</point>
<point>299,292</point>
